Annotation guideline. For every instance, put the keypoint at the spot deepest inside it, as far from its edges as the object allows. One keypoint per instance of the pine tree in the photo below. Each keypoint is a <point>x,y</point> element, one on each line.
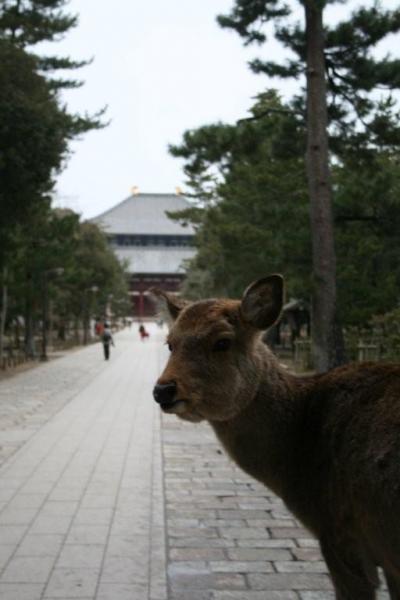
<point>35,128</point>
<point>34,135</point>
<point>250,178</point>
<point>26,23</point>
<point>341,74</point>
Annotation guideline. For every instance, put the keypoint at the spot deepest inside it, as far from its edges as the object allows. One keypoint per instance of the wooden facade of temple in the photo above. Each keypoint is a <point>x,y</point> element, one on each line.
<point>153,245</point>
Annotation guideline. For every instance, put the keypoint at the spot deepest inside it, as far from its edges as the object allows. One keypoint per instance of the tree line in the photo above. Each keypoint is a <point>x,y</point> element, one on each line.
<point>47,255</point>
<point>310,186</point>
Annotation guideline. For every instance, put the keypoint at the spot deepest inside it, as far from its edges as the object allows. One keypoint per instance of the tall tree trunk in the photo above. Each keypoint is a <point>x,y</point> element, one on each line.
<point>45,316</point>
<point>76,331</point>
<point>30,351</point>
<point>324,331</point>
<point>3,312</point>
<point>50,337</point>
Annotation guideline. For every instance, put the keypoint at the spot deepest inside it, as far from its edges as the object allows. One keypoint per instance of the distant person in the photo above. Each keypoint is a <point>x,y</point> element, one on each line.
<point>107,340</point>
<point>98,328</point>
<point>143,333</point>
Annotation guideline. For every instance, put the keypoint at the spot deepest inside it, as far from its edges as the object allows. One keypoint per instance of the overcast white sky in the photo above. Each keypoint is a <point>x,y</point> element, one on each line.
<point>162,67</point>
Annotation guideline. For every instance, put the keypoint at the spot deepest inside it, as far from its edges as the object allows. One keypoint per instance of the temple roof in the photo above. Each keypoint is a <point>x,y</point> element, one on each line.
<point>145,214</point>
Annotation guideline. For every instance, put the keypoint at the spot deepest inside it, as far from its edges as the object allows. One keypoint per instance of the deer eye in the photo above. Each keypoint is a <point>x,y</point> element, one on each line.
<point>222,345</point>
<point>169,346</point>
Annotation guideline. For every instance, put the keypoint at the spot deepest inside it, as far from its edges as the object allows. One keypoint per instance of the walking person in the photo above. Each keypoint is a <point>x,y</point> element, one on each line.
<point>143,333</point>
<point>107,340</point>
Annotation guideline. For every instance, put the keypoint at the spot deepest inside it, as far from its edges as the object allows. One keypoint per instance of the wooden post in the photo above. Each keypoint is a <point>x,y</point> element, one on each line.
<point>141,304</point>
<point>3,313</point>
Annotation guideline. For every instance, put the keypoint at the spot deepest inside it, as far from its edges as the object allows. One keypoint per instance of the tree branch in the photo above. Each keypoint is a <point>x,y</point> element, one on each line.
<point>268,111</point>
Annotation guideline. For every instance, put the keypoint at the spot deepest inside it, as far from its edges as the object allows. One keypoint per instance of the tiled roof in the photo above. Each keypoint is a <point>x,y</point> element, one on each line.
<point>145,214</point>
<point>156,259</point>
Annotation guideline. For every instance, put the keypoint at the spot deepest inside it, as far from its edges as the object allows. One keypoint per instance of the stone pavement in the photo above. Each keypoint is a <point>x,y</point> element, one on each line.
<point>101,498</point>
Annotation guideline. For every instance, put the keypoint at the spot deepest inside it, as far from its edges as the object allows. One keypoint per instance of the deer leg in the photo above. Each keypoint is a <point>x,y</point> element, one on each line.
<point>346,589</point>
<point>353,576</point>
<point>393,584</point>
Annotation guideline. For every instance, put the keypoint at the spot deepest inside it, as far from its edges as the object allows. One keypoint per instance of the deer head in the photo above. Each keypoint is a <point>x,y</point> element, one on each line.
<point>213,371</point>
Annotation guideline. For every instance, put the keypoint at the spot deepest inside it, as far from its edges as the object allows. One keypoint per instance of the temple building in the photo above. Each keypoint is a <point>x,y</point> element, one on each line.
<point>153,245</point>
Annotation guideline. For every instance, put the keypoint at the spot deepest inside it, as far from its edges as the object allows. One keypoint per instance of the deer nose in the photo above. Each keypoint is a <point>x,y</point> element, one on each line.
<point>164,393</point>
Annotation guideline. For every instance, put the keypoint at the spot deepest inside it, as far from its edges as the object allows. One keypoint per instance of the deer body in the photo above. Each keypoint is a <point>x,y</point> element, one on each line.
<point>328,445</point>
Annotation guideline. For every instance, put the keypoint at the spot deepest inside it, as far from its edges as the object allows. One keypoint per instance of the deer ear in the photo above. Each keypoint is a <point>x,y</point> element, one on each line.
<point>173,304</point>
<point>262,301</point>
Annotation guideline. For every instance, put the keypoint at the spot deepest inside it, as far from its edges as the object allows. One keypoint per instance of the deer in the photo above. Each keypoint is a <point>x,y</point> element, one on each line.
<point>328,444</point>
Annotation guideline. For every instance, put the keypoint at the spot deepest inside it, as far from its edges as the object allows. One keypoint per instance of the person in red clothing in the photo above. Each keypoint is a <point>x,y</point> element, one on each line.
<point>98,328</point>
<point>142,332</point>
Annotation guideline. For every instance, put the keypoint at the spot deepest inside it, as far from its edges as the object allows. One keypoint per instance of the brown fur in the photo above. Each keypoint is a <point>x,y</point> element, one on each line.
<point>329,444</point>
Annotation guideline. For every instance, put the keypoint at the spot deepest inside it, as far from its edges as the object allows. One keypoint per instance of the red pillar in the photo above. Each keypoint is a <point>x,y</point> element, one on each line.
<point>141,304</point>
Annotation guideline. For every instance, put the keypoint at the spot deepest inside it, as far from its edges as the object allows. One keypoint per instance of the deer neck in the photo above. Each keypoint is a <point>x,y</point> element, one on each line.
<point>261,438</point>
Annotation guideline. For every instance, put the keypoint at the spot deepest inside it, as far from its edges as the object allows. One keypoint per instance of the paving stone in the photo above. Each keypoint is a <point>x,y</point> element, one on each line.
<point>28,569</point>
<point>176,554</point>
<point>51,509</point>
<point>267,543</point>
<point>98,500</point>
<point>189,568</point>
<point>12,534</point>
<point>80,556</point>
<point>125,545</point>
<point>6,494</point>
<point>270,522</point>
<point>72,583</point>
<point>61,493</point>
<point>246,533</point>
<point>250,595</point>
<point>15,516</point>
<point>307,554</point>
<point>28,501</point>
<point>257,554</point>
<point>307,542</point>
<point>51,524</point>
<point>191,581</point>
<point>300,566</point>
<point>242,514</point>
<point>289,581</point>
<point>194,595</point>
<point>5,554</point>
<point>87,534</point>
<point>200,542</point>
<point>289,532</point>
<point>204,532</point>
<point>122,591</point>
<point>40,545</point>
<point>21,591</point>
<point>281,513</point>
<point>317,595</point>
<point>188,523</point>
<point>189,513</point>
<point>232,566</point>
<point>93,516</point>
<point>125,569</point>
<point>229,581</point>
